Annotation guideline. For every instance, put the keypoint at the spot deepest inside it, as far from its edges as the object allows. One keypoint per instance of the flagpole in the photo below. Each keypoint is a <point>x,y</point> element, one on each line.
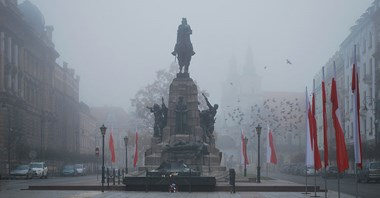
<point>338,185</point>
<point>306,159</point>
<point>356,181</point>
<point>314,148</point>
<point>325,147</point>
<point>306,182</point>
<point>315,184</point>
<point>326,181</point>
<point>336,145</point>
<point>356,123</point>
<point>357,136</point>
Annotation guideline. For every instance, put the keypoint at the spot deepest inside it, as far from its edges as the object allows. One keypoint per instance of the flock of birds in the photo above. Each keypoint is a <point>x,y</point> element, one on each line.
<point>283,115</point>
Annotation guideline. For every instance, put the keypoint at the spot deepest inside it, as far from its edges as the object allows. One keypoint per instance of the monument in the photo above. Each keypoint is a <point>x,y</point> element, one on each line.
<point>187,135</point>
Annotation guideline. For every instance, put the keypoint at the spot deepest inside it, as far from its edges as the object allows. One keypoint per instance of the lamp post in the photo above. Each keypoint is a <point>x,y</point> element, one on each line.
<point>126,154</point>
<point>103,131</point>
<point>245,154</point>
<point>258,130</point>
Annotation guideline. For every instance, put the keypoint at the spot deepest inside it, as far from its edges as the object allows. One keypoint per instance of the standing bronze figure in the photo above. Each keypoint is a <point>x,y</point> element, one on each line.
<point>207,119</point>
<point>160,118</point>
<point>183,49</point>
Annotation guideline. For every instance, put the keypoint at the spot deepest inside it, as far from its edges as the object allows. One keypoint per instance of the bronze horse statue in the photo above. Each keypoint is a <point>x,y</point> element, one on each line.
<point>183,49</point>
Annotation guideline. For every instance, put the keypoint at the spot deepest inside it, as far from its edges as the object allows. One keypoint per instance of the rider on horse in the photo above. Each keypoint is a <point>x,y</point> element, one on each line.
<point>184,48</point>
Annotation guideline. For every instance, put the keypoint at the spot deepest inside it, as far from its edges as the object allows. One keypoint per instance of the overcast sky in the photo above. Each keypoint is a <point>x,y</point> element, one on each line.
<point>116,46</point>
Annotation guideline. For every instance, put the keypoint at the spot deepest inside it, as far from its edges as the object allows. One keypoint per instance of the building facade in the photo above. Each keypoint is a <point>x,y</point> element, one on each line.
<point>39,115</point>
<point>365,35</point>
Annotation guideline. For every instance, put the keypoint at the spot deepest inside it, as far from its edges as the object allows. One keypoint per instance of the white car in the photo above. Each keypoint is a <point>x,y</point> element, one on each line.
<point>80,169</point>
<point>39,169</point>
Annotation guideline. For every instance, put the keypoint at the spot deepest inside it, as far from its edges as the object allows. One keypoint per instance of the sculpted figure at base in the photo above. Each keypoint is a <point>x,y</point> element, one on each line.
<point>160,118</point>
<point>183,49</point>
<point>207,119</point>
<point>181,116</point>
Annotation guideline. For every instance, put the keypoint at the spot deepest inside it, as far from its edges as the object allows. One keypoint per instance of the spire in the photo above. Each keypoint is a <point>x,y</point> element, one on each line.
<point>249,67</point>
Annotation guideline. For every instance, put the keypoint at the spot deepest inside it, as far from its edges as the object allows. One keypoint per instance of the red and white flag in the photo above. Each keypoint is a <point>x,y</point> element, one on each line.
<point>244,148</point>
<point>309,160</point>
<point>271,151</point>
<point>356,103</point>
<point>112,148</point>
<point>317,157</point>
<point>324,118</point>
<point>136,156</point>
<point>341,150</point>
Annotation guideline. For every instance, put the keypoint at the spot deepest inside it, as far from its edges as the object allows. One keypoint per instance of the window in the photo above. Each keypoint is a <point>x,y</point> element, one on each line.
<point>364,46</point>
<point>370,40</point>
<point>371,128</point>
<point>365,126</point>
<point>357,53</point>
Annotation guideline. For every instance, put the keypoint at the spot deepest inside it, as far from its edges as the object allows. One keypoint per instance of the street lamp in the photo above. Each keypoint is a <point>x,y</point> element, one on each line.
<point>245,154</point>
<point>258,130</point>
<point>126,154</point>
<point>103,131</point>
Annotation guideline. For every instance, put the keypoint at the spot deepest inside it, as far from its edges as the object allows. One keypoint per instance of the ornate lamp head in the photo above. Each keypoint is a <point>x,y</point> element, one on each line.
<point>103,129</point>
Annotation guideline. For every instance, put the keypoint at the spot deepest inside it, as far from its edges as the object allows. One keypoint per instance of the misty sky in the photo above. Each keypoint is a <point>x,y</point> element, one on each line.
<point>116,46</point>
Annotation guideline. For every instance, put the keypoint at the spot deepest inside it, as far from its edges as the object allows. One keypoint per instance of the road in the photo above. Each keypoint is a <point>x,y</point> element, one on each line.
<point>347,184</point>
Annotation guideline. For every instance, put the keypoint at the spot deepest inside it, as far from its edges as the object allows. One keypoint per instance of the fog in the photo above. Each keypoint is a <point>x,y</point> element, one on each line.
<point>116,46</point>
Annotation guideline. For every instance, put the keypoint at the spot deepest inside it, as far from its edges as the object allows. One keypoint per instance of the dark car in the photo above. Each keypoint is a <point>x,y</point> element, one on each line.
<point>22,171</point>
<point>69,170</point>
<point>331,172</point>
<point>371,171</point>
<point>173,169</point>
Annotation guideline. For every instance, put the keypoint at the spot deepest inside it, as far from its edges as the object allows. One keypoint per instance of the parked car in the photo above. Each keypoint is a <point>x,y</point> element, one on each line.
<point>371,171</point>
<point>69,170</point>
<point>310,171</point>
<point>39,169</point>
<point>331,171</point>
<point>80,169</point>
<point>22,171</point>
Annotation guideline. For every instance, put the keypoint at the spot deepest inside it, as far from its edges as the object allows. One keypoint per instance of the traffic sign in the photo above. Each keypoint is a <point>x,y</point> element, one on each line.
<point>97,151</point>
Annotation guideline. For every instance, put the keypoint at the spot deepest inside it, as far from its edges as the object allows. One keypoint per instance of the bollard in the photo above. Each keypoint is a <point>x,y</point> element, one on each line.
<point>108,177</point>
<point>118,176</point>
<point>113,176</point>
<point>232,180</point>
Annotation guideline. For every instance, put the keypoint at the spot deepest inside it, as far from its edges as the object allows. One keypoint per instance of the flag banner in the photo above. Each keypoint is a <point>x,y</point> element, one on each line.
<point>112,148</point>
<point>271,152</point>
<point>244,148</point>
<point>356,103</point>
<point>324,118</point>
<point>317,157</point>
<point>309,160</point>
<point>341,150</point>
<point>136,156</point>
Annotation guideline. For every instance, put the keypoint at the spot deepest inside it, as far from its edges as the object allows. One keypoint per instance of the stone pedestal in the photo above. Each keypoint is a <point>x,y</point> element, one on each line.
<point>183,138</point>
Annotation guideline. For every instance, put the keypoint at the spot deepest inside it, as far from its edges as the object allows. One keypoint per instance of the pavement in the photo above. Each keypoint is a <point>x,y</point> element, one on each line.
<point>272,189</point>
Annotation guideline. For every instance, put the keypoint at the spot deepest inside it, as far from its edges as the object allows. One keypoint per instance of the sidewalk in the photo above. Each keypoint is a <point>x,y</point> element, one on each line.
<point>91,188</point>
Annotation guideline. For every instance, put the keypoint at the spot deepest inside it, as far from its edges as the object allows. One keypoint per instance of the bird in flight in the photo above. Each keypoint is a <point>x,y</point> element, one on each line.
<point>288,61</point>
